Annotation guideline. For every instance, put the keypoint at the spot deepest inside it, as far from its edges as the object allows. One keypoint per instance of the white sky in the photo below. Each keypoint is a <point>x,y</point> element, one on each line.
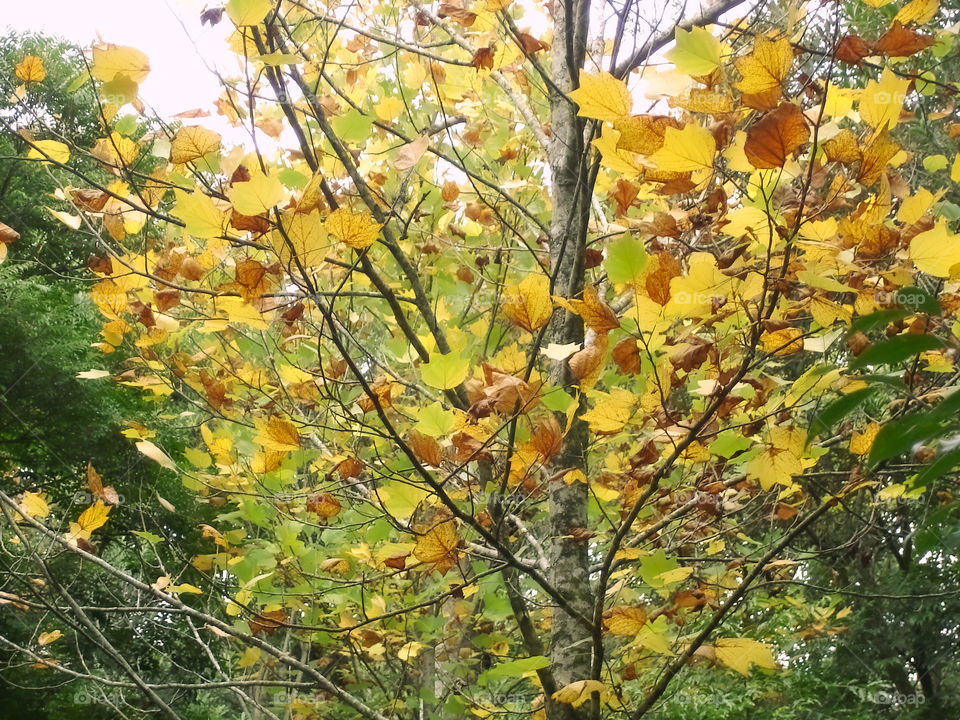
<point>178,80</point>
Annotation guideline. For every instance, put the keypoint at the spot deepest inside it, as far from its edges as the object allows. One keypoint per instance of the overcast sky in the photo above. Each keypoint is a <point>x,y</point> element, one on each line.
<point>177,81</point>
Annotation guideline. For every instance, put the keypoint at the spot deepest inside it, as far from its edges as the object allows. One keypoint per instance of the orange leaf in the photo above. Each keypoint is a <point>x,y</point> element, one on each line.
<point>898,41</point>
<point>438,546</point>
<point>771,139</point>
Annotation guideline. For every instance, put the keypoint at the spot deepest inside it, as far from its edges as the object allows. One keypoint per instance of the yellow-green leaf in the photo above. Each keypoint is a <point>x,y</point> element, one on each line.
<point>248,12</point>
<point>696,53</point>
<point>199,214</point>
<point>257,195</point>
<point>445,371</point>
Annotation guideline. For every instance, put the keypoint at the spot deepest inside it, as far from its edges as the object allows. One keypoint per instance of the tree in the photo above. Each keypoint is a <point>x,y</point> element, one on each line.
<point>511,399</point>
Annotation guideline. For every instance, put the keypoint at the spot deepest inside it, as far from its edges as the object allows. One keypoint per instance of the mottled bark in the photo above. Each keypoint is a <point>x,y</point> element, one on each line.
<point>570,640</point>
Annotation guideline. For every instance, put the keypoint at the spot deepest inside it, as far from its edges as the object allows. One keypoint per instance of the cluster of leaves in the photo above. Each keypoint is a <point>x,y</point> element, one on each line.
<point>508,395</point>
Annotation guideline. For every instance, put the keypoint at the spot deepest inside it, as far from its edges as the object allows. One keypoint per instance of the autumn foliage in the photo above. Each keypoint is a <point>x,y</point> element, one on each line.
<point>504,360</point>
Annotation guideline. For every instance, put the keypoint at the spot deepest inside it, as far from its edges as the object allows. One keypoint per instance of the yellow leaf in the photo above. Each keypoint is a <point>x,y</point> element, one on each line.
<point>46,638</point>
<point>917,11</point>
<point>278,434</point>
<point>765,69</point>
<point>438,546</point>
<point>112,62</point>
<point>577,693</point>
<point>691,148</point>
<point>49,150</point>
<point>611,412</point>
<point>860,443</point>
<point>31,70</point>
<point>740,653</point>
<point>200,216</point>
<point>602,97</point>
<point>781,460</point>
<point>306,239</point>
<point>529,305</point>
<point>358,230</point>
<point>916,206</point>
<point>936,251</point>
<point>257,195</point>
<point>881,102</point>
<point>184,588</point>
<point>389,108</point>
<point>156,454</point>
<point>625,620</point>
<point>191,143</point>
<point>116,150</point>
<point>93,517</point>
<point>34,505</point>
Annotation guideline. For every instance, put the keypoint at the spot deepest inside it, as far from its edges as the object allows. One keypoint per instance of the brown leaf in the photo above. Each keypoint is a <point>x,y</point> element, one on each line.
<point>166,299</point>
<point>529,44</point>
<point>547,437</point>
<point>89,200</point>
<point>258,224</point>
<point>898,41</point>
<point>267,623</point>
<point>775,136</point>
<point>462,17</point>
<point>8,234</point>
<point>100,265</point>
<point>663,267</point>
<point>626,355</point>
<point>190,269</point>
<point>852,49</point>
<point>483,59</point>
<point>349,468</point>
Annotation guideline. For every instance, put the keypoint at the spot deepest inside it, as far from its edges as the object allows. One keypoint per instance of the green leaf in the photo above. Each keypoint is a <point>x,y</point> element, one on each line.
<point>353,126</point>
<point>435,421</point>
<point>935,163</point>
<point>938,468</point>
<point>697,52</point>
<point>515,668</point>
<point>837,410</point>
<point>896,350</point>
<point>896,438</point>
<point>869,322</point>
<point>148,536</point>
<point>445,371</point>
<point>728,443</point>
<point>626,259</point>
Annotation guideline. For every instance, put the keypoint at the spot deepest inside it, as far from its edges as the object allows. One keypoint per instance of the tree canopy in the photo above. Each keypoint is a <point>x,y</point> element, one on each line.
<point>499,359</point>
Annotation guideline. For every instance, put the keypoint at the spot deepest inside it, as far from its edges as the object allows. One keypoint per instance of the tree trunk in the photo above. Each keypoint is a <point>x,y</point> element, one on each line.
<point>570,640</point>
